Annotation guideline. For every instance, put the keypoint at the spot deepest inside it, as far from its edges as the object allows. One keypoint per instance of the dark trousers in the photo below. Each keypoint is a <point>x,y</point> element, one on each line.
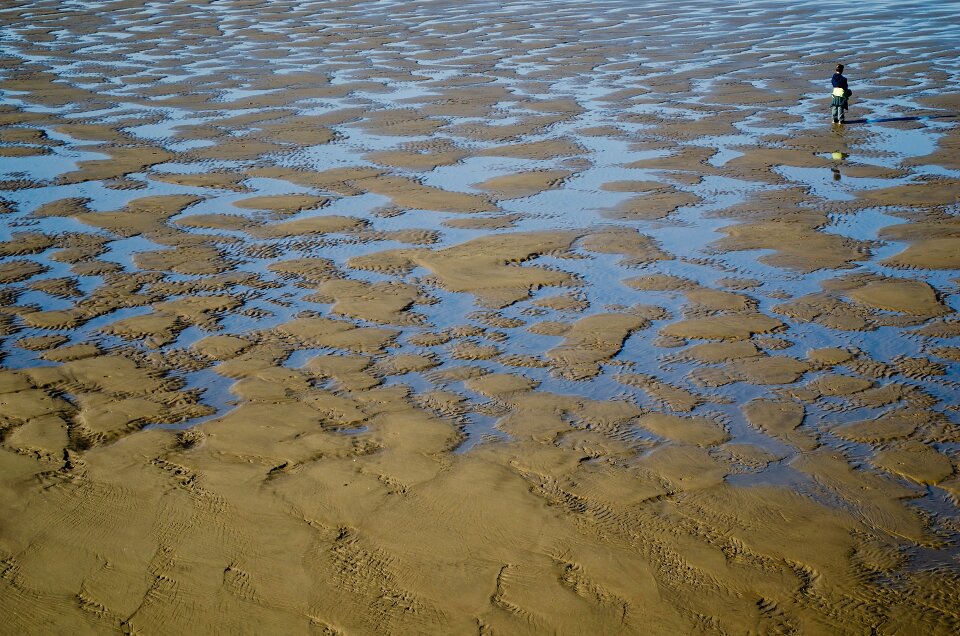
<point>838,108</point>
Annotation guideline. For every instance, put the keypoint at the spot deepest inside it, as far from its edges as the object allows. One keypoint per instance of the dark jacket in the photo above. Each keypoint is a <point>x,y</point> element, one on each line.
<point>839,81</point>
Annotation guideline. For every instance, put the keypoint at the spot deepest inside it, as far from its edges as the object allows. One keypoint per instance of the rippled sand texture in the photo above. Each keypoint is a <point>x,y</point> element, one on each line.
<point>478,317</point>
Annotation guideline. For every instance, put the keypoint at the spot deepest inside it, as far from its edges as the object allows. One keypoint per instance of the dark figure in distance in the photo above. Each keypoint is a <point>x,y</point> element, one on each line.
<point>841,93</point>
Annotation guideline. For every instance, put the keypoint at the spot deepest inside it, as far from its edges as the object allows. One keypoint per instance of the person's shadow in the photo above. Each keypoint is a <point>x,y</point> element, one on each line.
<point>867,120</point>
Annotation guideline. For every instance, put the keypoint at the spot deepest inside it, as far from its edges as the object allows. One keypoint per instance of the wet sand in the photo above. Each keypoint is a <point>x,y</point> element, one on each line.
<point>497,318</point>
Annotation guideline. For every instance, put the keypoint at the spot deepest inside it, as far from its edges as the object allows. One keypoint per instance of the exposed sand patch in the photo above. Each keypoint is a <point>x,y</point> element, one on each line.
<point>631,186</point>
<point>714,352</point>
<point>22,151</point>
<point>563,302</point>
<point>157,328</point>
<point>23,243</point>
<point>591,341</point>
<point>781,419</point>
<point>836,385</point>
<point>295,132</point>
<point>937,253</point>
<point>673,397</point>
<point>684,159</point>
<point>947,353</point>
<point>535,150</point>
<point>215,221</point>
<point>123,160</point>
<point>660,282</point>
<point>759,163</point>
<point>41,343</point>
<point>766,369</point>
<point>723,327</point>
<point>701,431</point>
<point>218,180</point>
<point>402,364</point>
<point>54,319</point>
<point>337,334</point>
<point>330,224</point>
<point>408,193</point>
<point>59,287</point>
<point>283,204</point>
<point>929,193</point>
<point>16,271</point>
<point>916,462</point>
<point>238,149</point>
<point>29,404</point>
<point>199,259</point>
<point>636,247</point>
<point>916,301</point>
<point>530,125</point>
<point>311,270</point>
<point>798,245</point>
<point>473,351</point>
<point>337,180</point>
<point>525,184</point>
<point>654,206</point>
<point>500,384</point>
<point>889,426</point>
<point>419,157</point>
<point>483,267</point>
<point>140,216</point>
<point>908,296</point>
<point>400,123</point>
<point>62,207</point>
<point>386,303</point>
<point>350,372</point>
<point>221,347</point>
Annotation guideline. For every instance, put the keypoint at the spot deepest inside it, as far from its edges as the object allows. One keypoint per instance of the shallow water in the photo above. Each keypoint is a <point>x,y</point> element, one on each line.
<point>653,179</point>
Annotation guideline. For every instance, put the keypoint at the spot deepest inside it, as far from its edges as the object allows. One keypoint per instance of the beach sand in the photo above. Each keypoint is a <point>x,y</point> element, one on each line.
<point>481,317</point>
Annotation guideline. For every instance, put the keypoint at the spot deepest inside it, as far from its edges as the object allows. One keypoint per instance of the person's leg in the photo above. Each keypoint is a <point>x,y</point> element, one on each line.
<point>842,112</point>
<point>835,113</point>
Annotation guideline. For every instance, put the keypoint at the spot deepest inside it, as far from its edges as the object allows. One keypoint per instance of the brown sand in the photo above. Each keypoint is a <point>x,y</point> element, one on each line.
<point>231,407</point>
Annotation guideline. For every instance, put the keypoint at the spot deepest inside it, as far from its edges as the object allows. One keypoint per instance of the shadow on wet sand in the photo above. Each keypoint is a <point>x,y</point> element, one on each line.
<point>895,119</point>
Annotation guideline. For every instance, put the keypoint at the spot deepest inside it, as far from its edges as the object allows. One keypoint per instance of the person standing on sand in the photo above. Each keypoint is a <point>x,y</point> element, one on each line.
<point>841,95</point>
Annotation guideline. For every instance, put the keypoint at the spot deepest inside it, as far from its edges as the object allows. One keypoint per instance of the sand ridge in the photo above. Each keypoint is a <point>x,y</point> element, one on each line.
<point>476,317</point>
